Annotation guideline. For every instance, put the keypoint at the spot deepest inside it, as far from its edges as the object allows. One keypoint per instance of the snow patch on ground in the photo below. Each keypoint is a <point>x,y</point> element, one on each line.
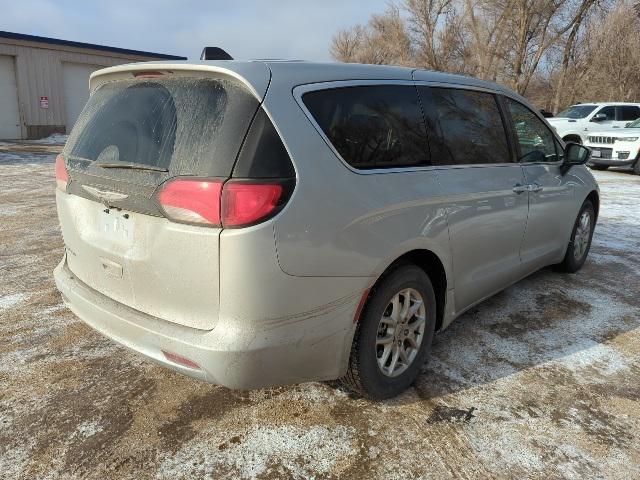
<point>88,429</point>
<point>10,301</point>
<point>286,451</point>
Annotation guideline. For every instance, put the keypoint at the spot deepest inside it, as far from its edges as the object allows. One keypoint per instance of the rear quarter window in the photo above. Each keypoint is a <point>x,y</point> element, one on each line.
<point>372,127</point>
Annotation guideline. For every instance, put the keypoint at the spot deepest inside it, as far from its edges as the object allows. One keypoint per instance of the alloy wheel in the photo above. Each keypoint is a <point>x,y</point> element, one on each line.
<point>400,332</point>
<point>581,238</point>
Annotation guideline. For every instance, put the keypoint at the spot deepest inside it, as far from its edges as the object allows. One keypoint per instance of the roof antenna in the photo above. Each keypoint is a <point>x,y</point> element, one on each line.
<point>214,53</point>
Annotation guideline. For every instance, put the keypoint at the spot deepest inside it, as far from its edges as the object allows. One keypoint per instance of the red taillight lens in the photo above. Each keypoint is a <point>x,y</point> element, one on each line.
<point>247,203</point>
<point>212,202</point>
<point>62,176</point>
<point>192,201</point>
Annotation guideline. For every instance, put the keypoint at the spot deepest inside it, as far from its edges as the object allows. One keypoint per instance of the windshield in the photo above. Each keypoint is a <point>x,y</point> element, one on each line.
<point>576,111</point>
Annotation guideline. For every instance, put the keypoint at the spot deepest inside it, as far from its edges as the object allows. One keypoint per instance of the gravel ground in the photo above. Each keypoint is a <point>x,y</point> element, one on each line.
<point>541,381</point>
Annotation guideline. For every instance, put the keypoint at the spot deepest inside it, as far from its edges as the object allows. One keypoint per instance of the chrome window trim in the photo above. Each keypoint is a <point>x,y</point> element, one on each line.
<point>300,90</point>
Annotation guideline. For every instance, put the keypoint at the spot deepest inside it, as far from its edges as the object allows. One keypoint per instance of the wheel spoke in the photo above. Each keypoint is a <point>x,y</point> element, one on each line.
<point>384,340</point>
<point>382,361</point>
<point>417,323</point>
<point>414,309</point>
<point>389,321</point>
<point>584,221</point>
<point>403,356</point>
<point>395,307</point>
<point>394,359</point>
<point>412,340</point>
<point>406,295</point>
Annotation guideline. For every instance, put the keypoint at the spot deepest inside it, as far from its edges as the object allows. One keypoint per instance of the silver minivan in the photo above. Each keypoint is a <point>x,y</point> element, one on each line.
<point>263,223</point>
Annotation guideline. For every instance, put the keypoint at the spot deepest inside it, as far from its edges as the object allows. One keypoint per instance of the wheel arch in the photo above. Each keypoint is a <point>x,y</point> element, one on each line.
<point>433,266</point>
<point>594,198</point>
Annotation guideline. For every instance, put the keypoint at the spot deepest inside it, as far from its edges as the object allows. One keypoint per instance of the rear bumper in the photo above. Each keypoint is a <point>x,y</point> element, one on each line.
<point>288,351</point>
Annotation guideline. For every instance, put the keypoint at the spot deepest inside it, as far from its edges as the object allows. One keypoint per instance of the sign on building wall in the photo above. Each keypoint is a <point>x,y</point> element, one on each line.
<point>44,102</point>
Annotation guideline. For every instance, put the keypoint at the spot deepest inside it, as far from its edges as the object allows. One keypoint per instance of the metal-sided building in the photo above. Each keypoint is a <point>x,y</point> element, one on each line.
<point>44,82</point>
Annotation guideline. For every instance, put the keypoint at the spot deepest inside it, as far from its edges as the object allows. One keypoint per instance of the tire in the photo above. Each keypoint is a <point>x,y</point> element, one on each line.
<point>580,242</point>
<point>365,375</point>
<point>636,167</point>
<point>598,167</point>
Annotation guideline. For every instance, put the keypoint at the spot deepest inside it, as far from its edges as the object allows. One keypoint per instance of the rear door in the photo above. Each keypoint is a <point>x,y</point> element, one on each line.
<point>134,135</point>
<point>551,203</point>
<point>483,187</point>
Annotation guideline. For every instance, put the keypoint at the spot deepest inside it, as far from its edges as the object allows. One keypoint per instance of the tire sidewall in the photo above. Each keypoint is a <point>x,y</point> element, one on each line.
<point>373,380</point>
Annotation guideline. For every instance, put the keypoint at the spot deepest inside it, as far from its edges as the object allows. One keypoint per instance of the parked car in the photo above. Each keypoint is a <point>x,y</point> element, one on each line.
<point>264,223</point>
<point>577,122</point>
<point>615,147</point>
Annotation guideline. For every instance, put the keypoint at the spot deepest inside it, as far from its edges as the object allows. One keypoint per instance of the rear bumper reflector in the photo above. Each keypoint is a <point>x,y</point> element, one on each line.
<point>180,360</point>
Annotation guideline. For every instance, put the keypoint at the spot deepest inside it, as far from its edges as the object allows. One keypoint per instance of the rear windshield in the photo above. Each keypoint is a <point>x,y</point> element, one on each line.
<point>176,125</point>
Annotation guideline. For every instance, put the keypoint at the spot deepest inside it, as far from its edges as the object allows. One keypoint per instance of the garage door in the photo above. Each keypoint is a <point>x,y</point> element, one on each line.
<point>75,78</point>
<point>9,113</point>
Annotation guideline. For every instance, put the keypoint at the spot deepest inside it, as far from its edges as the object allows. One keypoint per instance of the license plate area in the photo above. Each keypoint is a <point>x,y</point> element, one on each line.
<point>116,226</point>
<point>596,153</point>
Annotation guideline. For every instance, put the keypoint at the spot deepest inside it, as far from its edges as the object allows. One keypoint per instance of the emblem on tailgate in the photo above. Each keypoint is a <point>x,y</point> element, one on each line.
<point>104,195</point>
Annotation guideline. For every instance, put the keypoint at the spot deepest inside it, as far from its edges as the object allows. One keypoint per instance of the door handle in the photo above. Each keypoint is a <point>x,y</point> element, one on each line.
<point>535,188</point>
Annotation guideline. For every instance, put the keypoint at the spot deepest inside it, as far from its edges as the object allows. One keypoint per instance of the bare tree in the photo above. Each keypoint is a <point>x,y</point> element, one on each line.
<point>384,40</point>
<point>540,47</point>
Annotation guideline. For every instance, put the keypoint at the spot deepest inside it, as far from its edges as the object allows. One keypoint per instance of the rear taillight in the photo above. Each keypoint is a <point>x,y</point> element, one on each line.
<point>232,204</point>
<point>62,176</point>
<point>192,201</point>
<point>247,203</point>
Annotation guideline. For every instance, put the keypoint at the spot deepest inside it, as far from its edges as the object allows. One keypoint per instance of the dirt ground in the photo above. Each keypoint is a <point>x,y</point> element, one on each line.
<point>541,381</point>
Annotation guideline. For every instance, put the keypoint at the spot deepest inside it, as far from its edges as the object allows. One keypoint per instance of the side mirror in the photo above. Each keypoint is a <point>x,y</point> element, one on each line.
<point>576,154</point>
<point>599,117</point>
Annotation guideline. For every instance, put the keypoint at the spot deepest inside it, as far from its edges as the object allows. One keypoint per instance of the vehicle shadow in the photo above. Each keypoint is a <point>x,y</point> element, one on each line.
<point>548,317</point>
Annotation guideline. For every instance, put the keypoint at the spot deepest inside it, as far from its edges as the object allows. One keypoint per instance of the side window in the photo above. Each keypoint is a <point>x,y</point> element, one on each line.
<point>469,125</point>
<point>378,126</point>
<point>609,111</point>
<point>537,143</point>
<point>628,113</point>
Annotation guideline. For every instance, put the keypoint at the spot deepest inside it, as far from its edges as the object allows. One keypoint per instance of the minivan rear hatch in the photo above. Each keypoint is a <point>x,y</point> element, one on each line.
<point>136,133</point>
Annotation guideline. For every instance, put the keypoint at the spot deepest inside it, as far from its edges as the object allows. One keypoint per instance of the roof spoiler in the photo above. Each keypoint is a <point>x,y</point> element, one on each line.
<point>214,53</point>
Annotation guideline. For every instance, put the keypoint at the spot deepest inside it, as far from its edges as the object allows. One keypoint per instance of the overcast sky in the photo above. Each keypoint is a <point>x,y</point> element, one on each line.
<point>246,29</point>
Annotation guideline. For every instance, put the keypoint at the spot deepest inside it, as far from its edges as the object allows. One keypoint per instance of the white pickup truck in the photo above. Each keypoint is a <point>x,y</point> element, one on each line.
<point>577,122</point>
<point>615,147</point>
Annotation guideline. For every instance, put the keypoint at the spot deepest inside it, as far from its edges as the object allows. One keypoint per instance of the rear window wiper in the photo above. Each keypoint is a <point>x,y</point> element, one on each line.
<point>132,166</point>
